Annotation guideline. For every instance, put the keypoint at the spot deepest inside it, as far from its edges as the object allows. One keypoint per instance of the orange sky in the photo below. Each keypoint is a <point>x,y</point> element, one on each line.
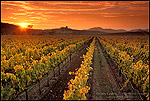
<point>77,14</point>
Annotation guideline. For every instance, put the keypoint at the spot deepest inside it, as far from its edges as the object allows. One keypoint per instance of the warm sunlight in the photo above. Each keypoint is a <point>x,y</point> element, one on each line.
<point>23,25</point>
<point>75,50</point>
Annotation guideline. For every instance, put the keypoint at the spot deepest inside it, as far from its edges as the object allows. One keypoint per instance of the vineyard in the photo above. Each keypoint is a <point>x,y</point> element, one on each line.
<point>132,56</point>
<point>27,59</point>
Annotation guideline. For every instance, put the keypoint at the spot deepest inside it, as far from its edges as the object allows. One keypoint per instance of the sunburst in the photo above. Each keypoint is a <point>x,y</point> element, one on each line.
<point>23,25</point>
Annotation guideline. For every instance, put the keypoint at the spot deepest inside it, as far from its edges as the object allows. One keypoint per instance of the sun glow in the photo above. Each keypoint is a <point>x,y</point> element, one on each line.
<point>23,25</point>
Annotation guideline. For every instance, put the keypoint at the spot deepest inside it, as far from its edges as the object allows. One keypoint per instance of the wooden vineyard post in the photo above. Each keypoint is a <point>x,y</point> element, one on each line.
<point>39,87</point>
<point>26,90</point>
<point>47,80</point>
<point>62,62</point>
<point>59,68</point>
<point>70,57</point>
<point>120,71</point>
<point>66,59</point>
<point>54,72</point>
<point>76,46</point>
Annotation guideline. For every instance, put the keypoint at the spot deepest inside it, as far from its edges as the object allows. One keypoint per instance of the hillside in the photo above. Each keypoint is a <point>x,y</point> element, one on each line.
<point>106,30</point>
<point>129,34</point>
<point>68,31</point>
<point>139,30</point>
<point>10,29</point>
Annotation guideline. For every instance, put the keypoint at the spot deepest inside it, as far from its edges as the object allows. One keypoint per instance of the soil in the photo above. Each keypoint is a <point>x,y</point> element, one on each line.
<point>57,90</point>
<point>107,79</point>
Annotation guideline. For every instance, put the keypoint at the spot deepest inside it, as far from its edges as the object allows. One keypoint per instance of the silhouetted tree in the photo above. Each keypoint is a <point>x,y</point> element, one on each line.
<point>29,26</point>
<point>66,27</point>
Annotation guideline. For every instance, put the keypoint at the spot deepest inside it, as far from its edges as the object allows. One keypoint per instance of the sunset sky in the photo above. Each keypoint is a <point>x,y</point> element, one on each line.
<point>77,14</point>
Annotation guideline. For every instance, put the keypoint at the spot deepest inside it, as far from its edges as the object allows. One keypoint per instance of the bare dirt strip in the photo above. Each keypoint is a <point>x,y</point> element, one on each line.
<point>57,90</point>
<point>107,80</point>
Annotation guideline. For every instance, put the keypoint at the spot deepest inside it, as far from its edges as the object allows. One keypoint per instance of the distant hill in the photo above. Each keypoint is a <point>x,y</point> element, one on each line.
<point>106,30</point>
<point>139,30</point>
<point>129,34</point>
<point>69,31</point>
<point>10,29</point>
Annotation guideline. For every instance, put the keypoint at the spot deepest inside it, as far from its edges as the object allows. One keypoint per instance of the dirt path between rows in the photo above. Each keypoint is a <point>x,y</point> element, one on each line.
<point>105,86</point>
<point>57,90</point>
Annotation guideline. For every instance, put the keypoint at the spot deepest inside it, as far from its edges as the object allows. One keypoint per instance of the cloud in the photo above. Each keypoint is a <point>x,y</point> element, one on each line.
<point>13,18</point>
<point>62,20</point>
<point>9,8</point>
<point>134,5</point>
<point>58,6</point>
<point>121,14</point>
<point>16,5</point>
<point>109,16</point>
<point>45,12</point>
<point>112,14</point>
<point>70,5</point>
<point>19,13</point>
<point>76,7</point>
<point>35,17</point>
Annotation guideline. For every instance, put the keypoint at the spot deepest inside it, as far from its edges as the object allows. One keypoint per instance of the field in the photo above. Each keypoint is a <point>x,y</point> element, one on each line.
<point>74,67</point>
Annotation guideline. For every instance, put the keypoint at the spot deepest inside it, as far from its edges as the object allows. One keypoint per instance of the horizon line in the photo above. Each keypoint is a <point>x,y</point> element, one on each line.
<point>78,28</point>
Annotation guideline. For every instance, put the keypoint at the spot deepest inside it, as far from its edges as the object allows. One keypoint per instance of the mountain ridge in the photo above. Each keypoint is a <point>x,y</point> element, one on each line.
<point>11,29</point>
<point>107,30</point>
